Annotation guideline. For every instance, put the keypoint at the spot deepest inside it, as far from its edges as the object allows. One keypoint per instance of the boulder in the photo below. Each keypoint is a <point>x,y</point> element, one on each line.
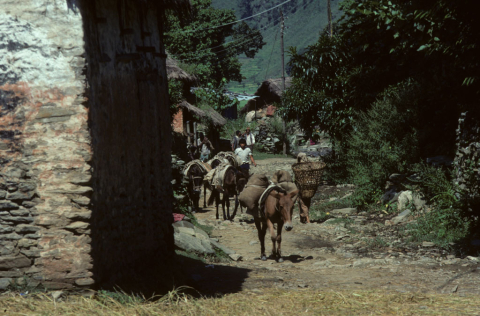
<point>344,211</point>
<point>191,243</point>
<point>218,245</point>
<point>403,199</point>
<point>402,217</point>
<point>4,283</point>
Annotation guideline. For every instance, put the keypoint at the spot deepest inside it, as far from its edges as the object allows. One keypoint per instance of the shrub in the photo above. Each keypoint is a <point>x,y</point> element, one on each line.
<point>384,141</point>
<point>448,220</point>
<point>236,125</point>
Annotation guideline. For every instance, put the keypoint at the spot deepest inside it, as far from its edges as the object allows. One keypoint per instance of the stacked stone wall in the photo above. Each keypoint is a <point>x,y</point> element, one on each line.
<point>44,146</point>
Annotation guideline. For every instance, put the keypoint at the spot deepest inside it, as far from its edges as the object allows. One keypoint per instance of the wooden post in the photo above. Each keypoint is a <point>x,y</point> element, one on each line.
<point>195,140</point>
<point>329,11</point>
<point>189,138</point>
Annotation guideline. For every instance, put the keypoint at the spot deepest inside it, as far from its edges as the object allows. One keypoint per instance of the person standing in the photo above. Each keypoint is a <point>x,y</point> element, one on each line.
<point>304,201</point>
<point>250,139</point>
<point>245,156</point>
<point>236,140</point>
<point>206,147</point>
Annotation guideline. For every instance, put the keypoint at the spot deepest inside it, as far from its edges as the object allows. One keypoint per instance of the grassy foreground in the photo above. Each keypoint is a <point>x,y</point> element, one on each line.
<point>268,302</point>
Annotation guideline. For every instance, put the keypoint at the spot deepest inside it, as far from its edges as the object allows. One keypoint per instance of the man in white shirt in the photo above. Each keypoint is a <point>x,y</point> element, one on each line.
<point>249,138</point>
<point>245,155</point>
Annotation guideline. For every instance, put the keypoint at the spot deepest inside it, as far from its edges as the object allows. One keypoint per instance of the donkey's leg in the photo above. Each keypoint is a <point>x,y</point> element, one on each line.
<point>235,209</point>
<point>227,202</point>
<point>261,237</point>
<point>223,205</point>
<point>204,196</point>
<point>279,242</point>
<point>271,229</point>
<point>216,200</point>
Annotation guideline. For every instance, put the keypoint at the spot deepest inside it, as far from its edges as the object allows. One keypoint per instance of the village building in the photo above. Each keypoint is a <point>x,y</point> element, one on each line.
<point>269,93</point>
<point>85,194</point>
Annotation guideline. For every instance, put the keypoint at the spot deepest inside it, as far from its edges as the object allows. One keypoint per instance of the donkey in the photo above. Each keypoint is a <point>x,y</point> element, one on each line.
<point>195,176</point>
<point>278,210</point>
<point>228,189</point>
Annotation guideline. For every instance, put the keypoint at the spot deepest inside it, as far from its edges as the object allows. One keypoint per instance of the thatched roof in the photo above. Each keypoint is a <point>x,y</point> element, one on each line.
<point>270,91</point>
<point>175,72</point>
<point>213,115</point>
<point>273,87</point>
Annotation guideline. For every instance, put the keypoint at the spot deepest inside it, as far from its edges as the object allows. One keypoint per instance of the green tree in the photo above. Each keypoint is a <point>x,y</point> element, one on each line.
<point>214,50</point>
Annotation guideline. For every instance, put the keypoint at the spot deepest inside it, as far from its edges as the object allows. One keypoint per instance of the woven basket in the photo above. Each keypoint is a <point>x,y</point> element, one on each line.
<point>308,176</point>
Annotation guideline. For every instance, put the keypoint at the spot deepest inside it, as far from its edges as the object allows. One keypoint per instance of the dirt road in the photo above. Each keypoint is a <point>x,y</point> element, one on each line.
<point>326,256</point>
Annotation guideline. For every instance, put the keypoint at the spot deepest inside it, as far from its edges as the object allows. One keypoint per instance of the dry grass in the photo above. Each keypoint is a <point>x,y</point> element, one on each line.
<point>269,302</point>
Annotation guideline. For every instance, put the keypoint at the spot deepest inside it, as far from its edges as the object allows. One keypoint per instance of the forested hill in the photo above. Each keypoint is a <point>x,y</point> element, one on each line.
<point>305,19</point>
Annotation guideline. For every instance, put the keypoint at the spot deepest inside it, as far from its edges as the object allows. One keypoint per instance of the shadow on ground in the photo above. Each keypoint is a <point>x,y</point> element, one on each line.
<point>211,280</point>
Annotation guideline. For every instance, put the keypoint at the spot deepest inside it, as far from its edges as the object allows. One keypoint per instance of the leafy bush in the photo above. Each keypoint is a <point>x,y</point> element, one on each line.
<point>236,125</point>
<point>384,141</point>
<point>447,222</point>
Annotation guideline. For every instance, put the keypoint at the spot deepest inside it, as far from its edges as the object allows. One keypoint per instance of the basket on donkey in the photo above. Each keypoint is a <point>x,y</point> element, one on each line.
<point>308,176</point>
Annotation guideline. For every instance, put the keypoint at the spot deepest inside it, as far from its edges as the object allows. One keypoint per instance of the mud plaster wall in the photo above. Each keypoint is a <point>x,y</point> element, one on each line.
<point>84,145</point>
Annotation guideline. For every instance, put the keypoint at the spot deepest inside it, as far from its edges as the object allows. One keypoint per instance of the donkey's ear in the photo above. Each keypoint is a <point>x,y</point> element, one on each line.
<point>293,194</point>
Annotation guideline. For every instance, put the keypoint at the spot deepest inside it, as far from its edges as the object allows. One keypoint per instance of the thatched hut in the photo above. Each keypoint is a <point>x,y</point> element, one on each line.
<point>193,114</point>
<point>174,72</point>
<point>269,92</point>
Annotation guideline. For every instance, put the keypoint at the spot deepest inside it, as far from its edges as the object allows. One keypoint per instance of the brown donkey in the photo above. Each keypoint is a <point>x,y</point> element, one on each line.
<point>228,189</point>
<point>278,210</point>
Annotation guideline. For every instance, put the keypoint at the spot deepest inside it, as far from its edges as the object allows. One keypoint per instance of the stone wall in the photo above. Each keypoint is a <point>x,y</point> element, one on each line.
<point>84,145</point>
<point>45,145</point>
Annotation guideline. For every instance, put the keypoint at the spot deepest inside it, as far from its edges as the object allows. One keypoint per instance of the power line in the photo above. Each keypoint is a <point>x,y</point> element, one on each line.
<point>235,40</point>
<point>262,29</point>
<point>232,46</point>
<point>226,24</point>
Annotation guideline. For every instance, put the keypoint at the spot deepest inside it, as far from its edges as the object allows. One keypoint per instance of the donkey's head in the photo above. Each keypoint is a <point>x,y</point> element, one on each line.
<point>285,207</point>
<point>230,181</point>
<point>195,175</point>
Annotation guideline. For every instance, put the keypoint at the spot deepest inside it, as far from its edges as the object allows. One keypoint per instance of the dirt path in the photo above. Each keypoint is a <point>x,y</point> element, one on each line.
<point>323,256</point>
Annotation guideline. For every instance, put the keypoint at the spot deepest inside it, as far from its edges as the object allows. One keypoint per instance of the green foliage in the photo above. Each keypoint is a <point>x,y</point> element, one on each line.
<point>304,21</point>
<point>213,96</point>
<point>320,95</point>
<point>275,125</point>
<point>447,222</point>
<point>175,93</point>
<point>376,243</point>
<point>237,125</point>
<point>383,142</point>
<point>197,40</point>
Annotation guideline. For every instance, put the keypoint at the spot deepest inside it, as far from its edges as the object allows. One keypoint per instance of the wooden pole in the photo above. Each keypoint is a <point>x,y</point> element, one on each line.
<point>329,10</point>
<point>282,26</point>
<point>188,133</point>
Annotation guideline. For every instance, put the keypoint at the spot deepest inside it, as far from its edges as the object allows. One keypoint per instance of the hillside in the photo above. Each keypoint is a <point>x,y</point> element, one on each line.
<point>305,19</point>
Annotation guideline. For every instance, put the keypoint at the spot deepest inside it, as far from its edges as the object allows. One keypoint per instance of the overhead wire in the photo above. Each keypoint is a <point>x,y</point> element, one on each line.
<point>198,57</point>
<point>230,23</point>
<point>272,24</point>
